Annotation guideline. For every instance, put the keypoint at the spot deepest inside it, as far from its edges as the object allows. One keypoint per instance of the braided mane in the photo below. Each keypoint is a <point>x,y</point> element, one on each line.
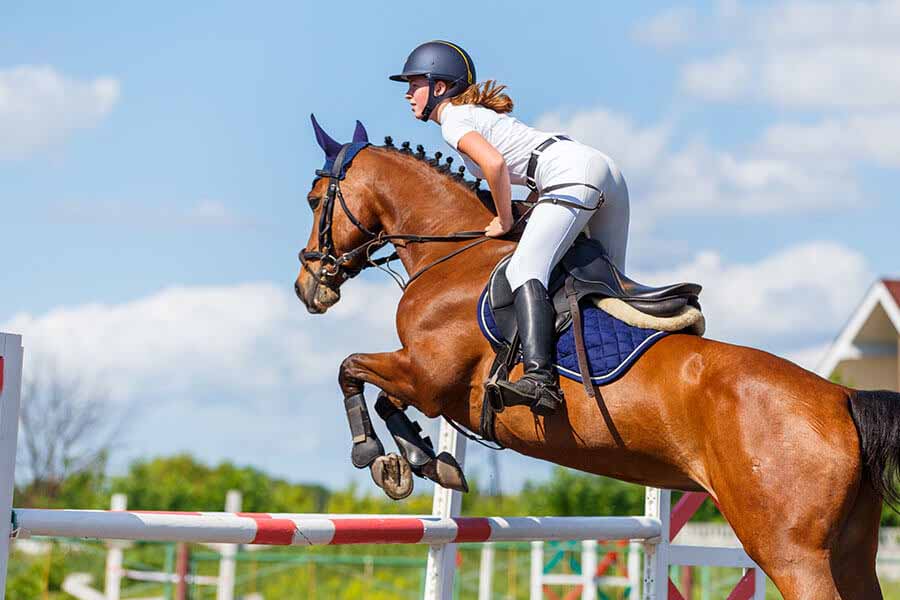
<point>458,176</point>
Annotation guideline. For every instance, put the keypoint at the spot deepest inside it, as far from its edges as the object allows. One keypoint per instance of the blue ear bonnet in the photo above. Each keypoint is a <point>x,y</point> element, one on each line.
<point>334,149</point>
<point>352,150</point>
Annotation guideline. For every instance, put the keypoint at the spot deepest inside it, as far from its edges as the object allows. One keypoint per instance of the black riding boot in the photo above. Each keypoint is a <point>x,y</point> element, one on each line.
<point>535,318</point>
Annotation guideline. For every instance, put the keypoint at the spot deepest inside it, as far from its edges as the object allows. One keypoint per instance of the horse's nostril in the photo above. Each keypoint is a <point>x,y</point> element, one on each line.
<point>297,290</point>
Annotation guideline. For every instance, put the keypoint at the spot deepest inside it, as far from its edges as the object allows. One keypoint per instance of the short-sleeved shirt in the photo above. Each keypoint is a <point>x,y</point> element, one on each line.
<point>512,138</point>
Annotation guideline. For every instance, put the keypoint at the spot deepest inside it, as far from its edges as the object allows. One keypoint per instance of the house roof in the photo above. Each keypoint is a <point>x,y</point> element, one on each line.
<point>893,286</point>
<point>884,292</point>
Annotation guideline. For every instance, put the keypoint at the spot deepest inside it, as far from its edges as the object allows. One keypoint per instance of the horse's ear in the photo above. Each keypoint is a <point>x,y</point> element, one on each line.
<point>359,134</point>
<point>328,145</point>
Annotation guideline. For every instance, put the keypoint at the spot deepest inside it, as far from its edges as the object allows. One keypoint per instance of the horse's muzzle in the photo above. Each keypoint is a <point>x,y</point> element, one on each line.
<point>316,298</point>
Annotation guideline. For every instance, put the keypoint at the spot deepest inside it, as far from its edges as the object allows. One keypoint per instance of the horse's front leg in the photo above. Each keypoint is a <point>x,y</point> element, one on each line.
<point>391,372</point>
<point>417,450</point>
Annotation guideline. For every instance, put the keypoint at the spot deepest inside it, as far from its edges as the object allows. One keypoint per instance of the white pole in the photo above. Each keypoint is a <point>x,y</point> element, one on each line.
<point>11,353</point>
<point>657,505</point>
<point>441,565</point>
<point>537,571</point>
<point>225,585</point>
<point>486,572</point>
<point>634,569</point>
<point>760,584</point>
<point>113,580</point>
<point>588,569</point>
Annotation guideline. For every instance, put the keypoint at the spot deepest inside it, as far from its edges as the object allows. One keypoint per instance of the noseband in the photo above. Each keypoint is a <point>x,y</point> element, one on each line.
<point>335,267</point>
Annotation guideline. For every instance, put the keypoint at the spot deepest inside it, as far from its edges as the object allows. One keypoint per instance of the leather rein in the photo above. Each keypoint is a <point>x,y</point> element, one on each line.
<point>337,267</point>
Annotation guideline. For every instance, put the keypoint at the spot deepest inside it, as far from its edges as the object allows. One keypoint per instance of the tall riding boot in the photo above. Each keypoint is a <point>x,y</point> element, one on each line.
<point>535,318</point>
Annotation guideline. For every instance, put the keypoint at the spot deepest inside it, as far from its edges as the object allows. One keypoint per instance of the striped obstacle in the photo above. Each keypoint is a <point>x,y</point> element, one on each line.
<point>442,531</point>
<point>281,529</point>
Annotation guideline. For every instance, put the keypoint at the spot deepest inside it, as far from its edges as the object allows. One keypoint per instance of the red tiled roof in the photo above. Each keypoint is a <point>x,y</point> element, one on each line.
<point>893,286</point>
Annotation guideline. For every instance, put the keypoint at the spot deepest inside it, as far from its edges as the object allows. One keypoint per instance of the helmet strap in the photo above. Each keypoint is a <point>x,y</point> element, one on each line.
<point>433,99</point>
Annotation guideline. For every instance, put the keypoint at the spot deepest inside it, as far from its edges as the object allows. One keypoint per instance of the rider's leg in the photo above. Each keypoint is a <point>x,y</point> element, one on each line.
<point>550,231</point>
<point>609,225</point>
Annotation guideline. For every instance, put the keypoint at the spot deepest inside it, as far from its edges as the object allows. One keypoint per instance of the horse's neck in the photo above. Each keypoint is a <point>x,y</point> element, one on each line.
<point>421,201</point>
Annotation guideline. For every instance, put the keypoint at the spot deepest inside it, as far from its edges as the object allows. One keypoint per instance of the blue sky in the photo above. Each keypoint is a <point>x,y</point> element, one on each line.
<point>154,160</point>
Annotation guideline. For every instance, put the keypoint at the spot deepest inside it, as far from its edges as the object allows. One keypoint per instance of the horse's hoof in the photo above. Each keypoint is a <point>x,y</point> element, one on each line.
<point>446,472</point>
<point>393,474</point>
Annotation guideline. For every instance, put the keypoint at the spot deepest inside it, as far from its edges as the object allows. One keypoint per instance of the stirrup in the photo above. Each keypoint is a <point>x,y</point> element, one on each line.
<point>543,397</point>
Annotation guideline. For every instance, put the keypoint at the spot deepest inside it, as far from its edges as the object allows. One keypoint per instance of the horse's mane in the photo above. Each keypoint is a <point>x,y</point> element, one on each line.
<point>458,177</point>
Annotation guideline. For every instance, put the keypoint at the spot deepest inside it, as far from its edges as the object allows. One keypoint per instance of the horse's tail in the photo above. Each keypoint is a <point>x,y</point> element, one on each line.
<point>877,418</point>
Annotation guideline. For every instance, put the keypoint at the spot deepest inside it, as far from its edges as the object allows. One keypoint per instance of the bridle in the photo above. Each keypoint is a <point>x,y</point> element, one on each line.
<point>337,267</point>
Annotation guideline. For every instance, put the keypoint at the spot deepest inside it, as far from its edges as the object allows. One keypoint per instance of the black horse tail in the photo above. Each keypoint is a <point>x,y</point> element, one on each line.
<point>877,418</point>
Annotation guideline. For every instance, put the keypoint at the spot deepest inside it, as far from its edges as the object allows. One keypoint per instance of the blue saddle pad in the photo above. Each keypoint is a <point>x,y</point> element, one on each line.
<point>612,345</point>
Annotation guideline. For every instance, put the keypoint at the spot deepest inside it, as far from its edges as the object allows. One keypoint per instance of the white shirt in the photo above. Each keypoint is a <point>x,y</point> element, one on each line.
<point>512,138</point>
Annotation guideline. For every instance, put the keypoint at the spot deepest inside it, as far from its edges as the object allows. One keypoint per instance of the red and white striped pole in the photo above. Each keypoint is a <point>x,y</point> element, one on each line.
<point>282,529</point>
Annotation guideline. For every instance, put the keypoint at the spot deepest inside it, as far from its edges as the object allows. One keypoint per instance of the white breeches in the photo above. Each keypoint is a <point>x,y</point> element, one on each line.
<point>552,228</point>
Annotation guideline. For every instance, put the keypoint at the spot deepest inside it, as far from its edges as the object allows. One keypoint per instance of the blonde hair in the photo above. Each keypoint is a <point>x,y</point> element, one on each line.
<point>488,94</point>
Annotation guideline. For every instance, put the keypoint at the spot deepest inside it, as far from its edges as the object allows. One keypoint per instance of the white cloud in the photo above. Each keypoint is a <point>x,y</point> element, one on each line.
<point>635,148</point>
<point>670,27</point>
<point>722,78</point>
<point>254,338</point>
<point>803,54</point>
<point>804,291</point>
<point>239,372</point>
<point>693,178</point>
<point>872,137</point>
<point>39,107</point>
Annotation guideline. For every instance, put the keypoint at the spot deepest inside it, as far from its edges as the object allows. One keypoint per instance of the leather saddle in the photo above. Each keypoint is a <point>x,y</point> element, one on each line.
<point>592,274</point>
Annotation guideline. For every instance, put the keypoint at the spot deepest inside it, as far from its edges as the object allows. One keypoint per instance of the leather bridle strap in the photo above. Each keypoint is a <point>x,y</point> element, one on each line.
<point>379,240</point>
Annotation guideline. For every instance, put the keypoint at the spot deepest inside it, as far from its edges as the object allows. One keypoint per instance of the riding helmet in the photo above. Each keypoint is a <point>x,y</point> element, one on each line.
<point>439,61</point>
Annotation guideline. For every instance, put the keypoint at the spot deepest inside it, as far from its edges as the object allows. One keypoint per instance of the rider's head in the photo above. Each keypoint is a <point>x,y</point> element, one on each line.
<point>435,71</point>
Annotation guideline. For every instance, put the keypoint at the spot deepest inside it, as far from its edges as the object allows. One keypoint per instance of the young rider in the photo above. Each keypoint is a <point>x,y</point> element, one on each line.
<point>579,187</point>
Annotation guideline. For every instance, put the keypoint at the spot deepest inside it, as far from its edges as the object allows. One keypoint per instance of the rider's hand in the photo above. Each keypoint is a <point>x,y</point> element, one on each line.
<point>497,228</point>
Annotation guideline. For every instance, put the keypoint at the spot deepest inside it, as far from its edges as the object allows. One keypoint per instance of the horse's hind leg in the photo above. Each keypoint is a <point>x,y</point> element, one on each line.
<point>805,575</point>
<point>846,571</point>
<point>853,552</point>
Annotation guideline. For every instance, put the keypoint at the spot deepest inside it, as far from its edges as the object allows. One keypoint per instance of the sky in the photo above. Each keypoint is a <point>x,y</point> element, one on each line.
<point>155,158</point>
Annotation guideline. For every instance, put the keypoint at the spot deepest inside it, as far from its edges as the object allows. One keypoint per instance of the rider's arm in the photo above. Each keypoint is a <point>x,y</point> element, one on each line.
<point>495,171</point>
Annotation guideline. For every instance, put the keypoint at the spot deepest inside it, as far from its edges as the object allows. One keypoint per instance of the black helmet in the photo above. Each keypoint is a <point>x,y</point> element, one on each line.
<point>439,61</point>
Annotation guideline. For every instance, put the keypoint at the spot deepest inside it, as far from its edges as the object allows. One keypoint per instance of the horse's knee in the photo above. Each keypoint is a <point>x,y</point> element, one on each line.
<point>348,377</point>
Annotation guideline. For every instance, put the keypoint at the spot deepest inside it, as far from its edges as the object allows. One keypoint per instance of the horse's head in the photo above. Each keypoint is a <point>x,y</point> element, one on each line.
<point>343,221</point>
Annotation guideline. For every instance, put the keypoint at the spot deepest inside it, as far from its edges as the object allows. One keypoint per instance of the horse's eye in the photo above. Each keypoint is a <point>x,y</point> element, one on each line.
<point>313,202</point>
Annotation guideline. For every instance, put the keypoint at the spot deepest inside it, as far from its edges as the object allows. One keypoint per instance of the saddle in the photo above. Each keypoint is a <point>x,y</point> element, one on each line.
<point>593,275</point>
<point>585,272</point>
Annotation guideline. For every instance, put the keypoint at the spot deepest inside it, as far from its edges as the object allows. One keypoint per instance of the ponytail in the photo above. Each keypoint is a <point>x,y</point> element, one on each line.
<point>488,94</point>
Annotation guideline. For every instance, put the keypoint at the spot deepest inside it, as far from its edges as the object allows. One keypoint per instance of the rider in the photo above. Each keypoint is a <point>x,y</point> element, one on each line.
<point>579,188</point>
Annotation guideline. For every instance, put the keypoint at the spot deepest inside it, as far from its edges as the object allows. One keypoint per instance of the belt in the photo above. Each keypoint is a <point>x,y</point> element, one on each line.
<point>535,154</point>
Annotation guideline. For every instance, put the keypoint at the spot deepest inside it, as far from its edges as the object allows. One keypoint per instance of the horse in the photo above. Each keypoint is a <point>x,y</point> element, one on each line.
<point>798,465</point>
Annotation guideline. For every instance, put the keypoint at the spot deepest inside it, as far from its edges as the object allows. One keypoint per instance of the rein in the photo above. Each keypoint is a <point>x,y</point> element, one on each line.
<point>334,266</point>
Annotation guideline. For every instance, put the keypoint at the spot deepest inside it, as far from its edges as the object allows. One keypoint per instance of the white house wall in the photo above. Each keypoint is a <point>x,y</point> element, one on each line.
<point>873,373</point>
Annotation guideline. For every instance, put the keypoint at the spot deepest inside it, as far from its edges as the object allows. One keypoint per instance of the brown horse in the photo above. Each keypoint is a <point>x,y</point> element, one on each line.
<point>798,465</point>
